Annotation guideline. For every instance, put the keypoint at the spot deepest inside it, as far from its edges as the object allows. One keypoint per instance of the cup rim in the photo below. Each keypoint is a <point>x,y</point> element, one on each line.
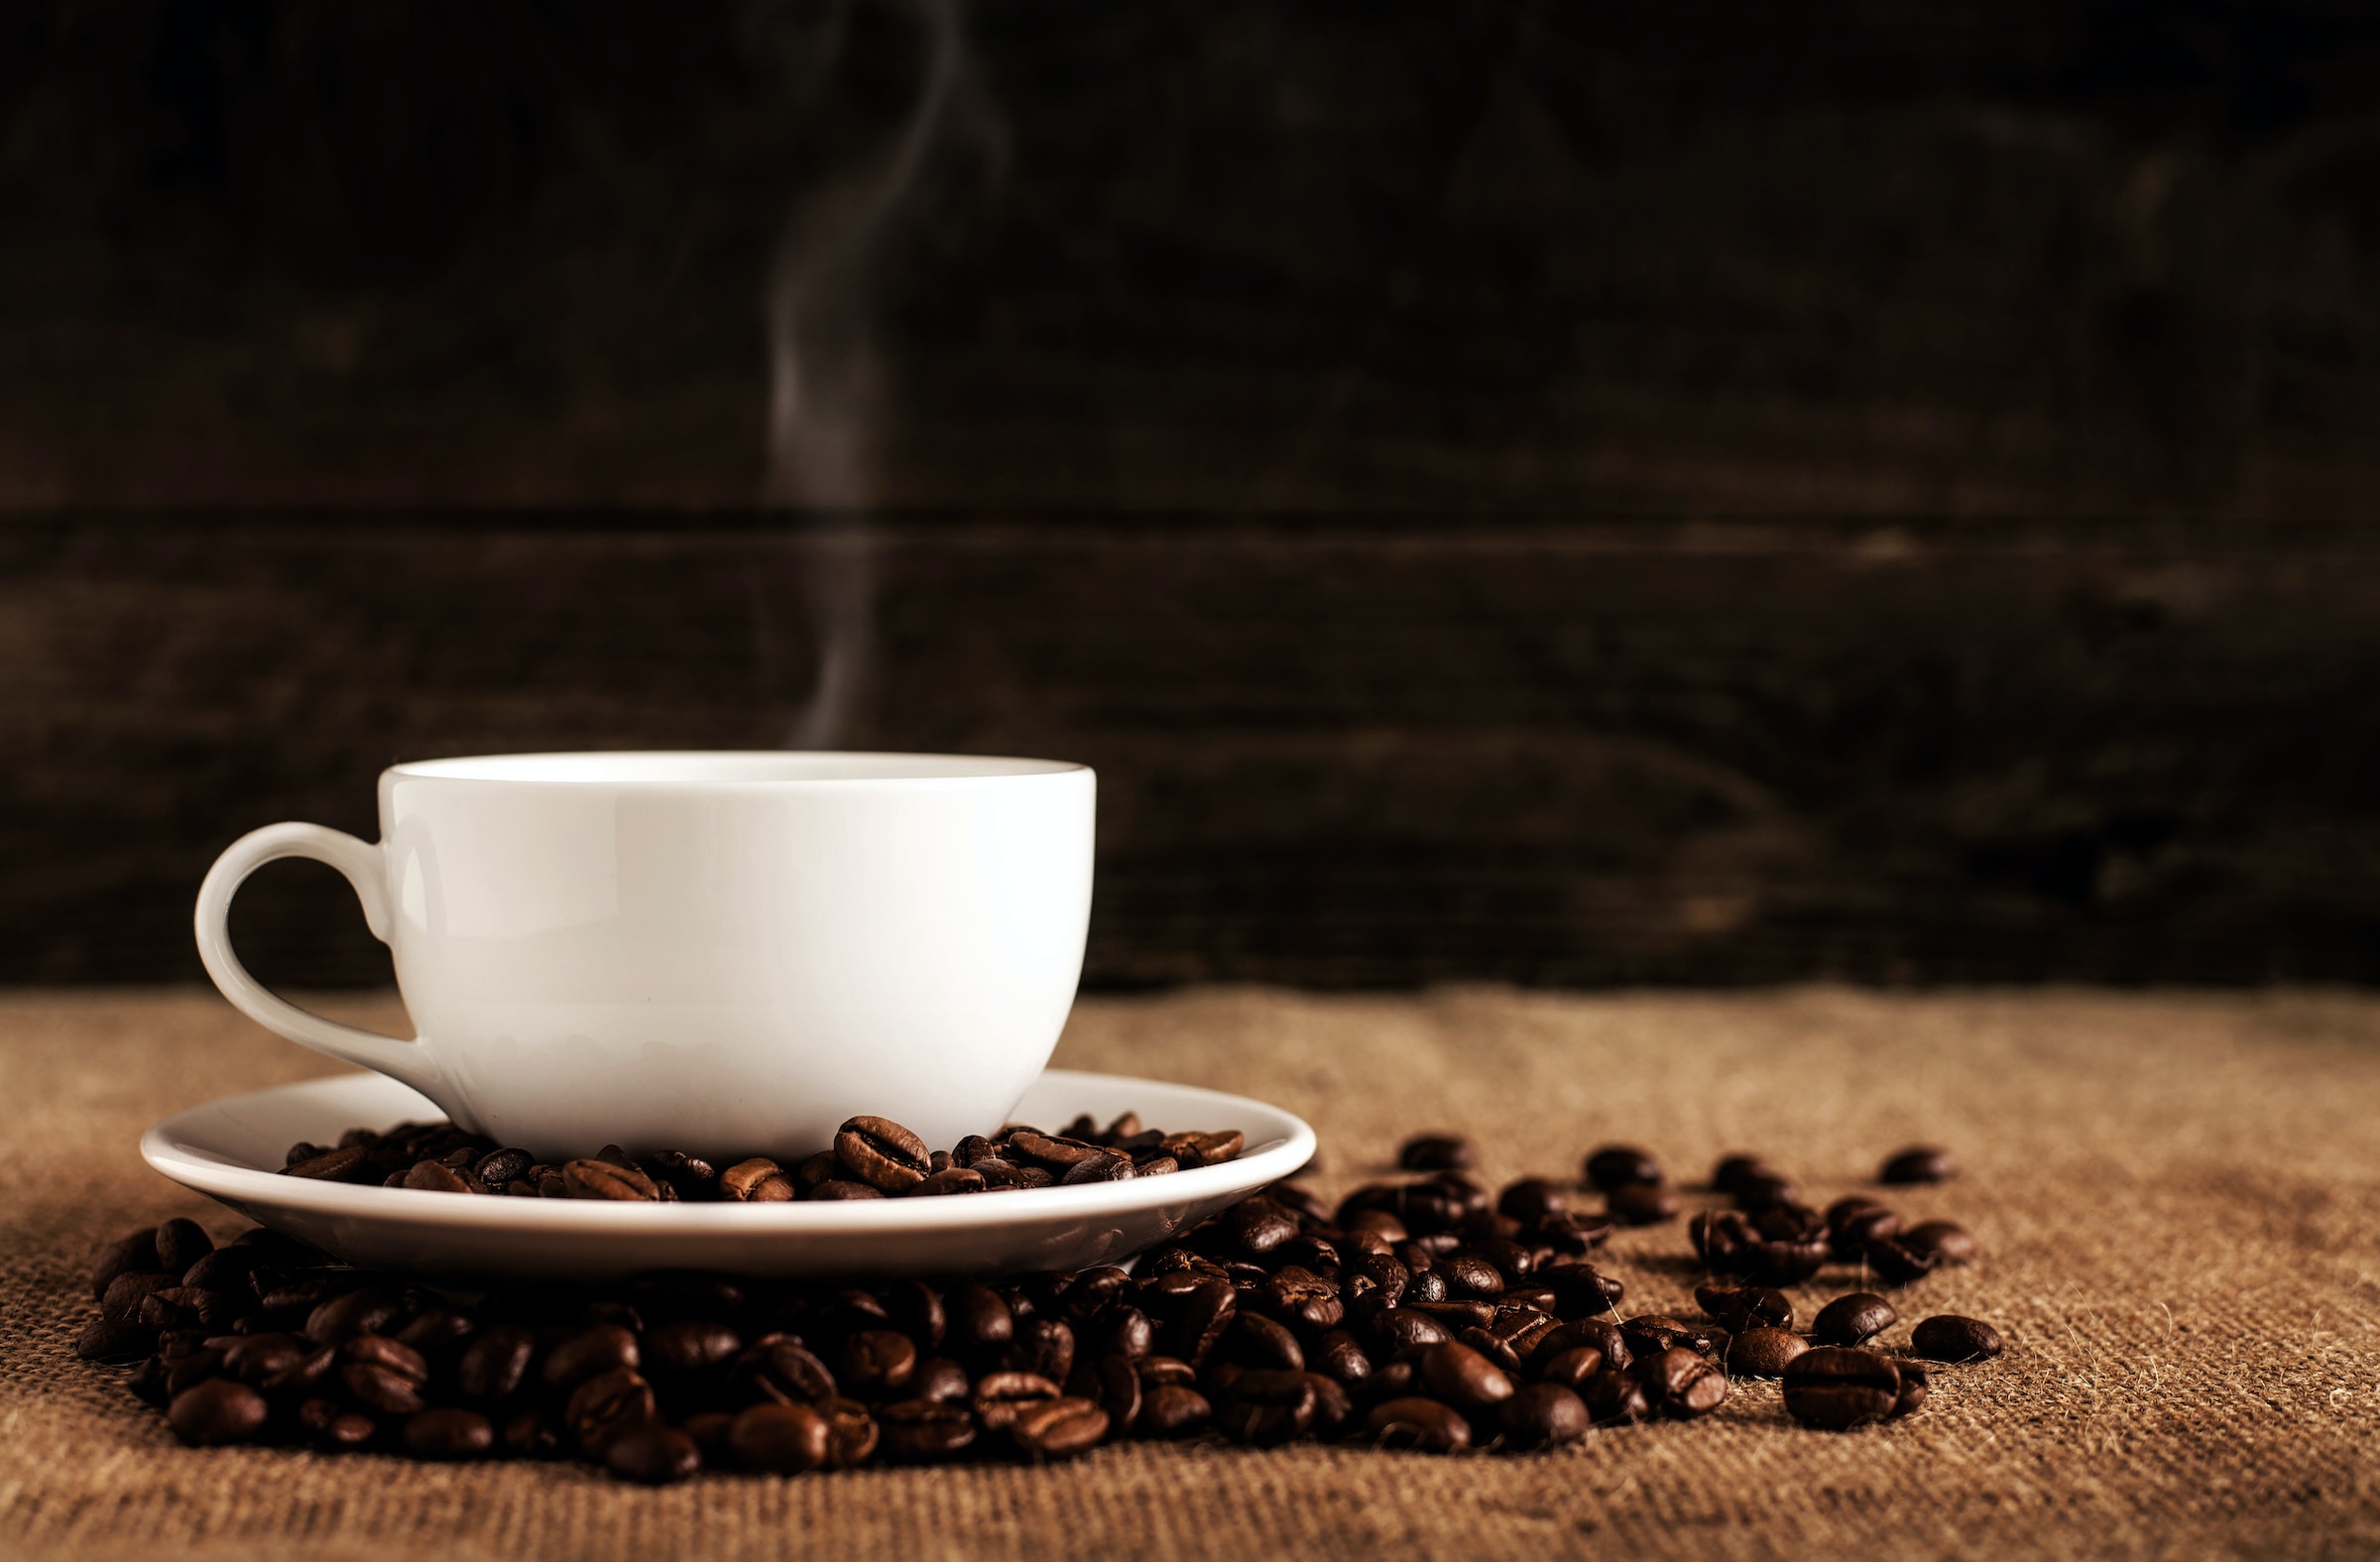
<point>738,768</point>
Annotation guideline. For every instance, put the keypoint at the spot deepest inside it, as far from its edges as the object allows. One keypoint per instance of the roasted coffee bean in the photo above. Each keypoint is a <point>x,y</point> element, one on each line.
<point>591,1352</point>
<point>1337,1355</point>
<point>1487,1345</point>
<point>1580,1292</point>
<point>254,1358</point>
<point>494,1365</point>
<point>1171,1410</point>
<point>1747,1307</point>
<point>845,1189</point>
<point>1855,1221</point>
<point>308,1373</point>
<point>439,1334</point>
<point>133,1253</point>
<point>779,1367</point>
<point>851,1433</point>
<point>882,1154</point>
<point>1203,1149</point>
<point>1058,1430</point>
<point>1680,1383</point>
<point>1113,1383</point>
<point>980,1320</point>
<point>187,1307</point>
<point>1542,1415</point>
<point>1470,1275</point>
<point>1044,1346</point>
<point>1106,1166</point>
<point>377,1349</point>
<point>349,1163</point>
<point>1571,1368</point>
<point>944,1183</point>
<point>1601,1333</point>
<point>365,1311</point>
<point>1463,1378</point>
<point>758,1180</point>
<point>1417,1423</point>
<point>1838,1387</point>
<point>1946,1241</point>
<point>430,1176</point>
<point>604,1406</point>
<point>1428,1282</point>
<point>877,1364</point>
<point>1616,1166</point>
<point>1572,1233</point>
<point>1641,1204</point>
<point>189,1371</point>
<point>448,1434</point>
<point>500,1166</point>
<point>182,1242</point>
<point>1724,1240</point>
<point>109,1341</point>
<point>1256,1226</point>
<point>602,1179</point>
<point>923,1432</point>
<point>1896,1262</point>
<point>333,1429</point>
<point>381,1390</point>
<point>1532,1199</point>
<point>1405,1328</point>
<point>1783,1263</point>
<point>128,1290</point>
<point>1266,1408</point>
<point>1194,1310</point>
<point>1437,1152</point>
<point>1123,1329</point>
<point>217,1410</point>
<point>1649,1334</point>
<point>688,1355</point>
<point>1756,1191</point>
<point>1915,1386</point>
<point>530,1435</point>
<point>1765,1352</point>
<point>1918,1163</point>
<point>1854,1319</point>
<point>998,1396</point>
<point>1615,1398</point>
<point>147,1382</point>
<point>783,1439</point>
<point>1733,1173</point>
<point>651,1455</point>
<point>1946,1337</point>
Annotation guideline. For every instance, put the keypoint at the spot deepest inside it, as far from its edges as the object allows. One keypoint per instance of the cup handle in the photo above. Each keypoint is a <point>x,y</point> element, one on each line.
<point>364,869</point>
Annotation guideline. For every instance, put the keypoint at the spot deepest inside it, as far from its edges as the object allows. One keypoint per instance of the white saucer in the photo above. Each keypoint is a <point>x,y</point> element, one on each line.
<point>233,1150</point>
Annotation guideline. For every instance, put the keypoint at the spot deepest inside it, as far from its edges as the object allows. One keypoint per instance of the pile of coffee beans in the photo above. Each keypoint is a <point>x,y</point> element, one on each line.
<point>872,1158</point>
<point>1421,1313</point>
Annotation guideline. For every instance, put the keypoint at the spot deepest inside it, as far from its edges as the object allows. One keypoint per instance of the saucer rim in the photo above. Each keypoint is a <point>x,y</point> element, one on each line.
<point>164,1146</point>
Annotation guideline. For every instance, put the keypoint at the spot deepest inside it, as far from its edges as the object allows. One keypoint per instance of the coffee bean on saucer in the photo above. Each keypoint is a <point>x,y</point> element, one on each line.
<point>1616,1166</point>
<point>1918,1163</point>
<point>217,1410</point>
<point>350,1164</point>
<point>882,1154</point>
<point>1437,1152</point>
<point>758,1180</point>
<point>603,1180</point>
<point>1854,1319</point>
<point>1765,1352</point>
<point>1946,1337</point>
<point>430,1176</point>
<point>1838,1387</point>
<point>841,1189</point>
<point>949,1181</point>
<point>1191,1150</point>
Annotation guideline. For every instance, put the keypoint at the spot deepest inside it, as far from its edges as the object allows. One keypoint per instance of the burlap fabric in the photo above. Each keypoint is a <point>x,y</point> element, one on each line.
<point>2178,1198</point>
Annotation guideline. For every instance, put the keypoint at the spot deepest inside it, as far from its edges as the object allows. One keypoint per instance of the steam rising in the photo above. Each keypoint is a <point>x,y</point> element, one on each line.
<point>827,372</point>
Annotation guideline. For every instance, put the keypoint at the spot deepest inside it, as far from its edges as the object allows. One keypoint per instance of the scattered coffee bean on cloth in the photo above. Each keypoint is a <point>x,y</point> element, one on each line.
<point>1418,1314</point>
<point>872,1158</point>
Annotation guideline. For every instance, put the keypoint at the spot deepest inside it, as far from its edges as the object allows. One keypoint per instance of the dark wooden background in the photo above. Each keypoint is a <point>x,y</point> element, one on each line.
<point>1633,493</point>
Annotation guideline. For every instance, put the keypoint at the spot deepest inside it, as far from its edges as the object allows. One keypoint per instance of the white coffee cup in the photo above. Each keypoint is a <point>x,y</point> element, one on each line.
<point>720,953</point>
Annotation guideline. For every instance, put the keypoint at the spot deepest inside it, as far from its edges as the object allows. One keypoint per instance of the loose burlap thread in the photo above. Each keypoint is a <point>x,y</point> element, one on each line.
<point>2177,1196</point>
